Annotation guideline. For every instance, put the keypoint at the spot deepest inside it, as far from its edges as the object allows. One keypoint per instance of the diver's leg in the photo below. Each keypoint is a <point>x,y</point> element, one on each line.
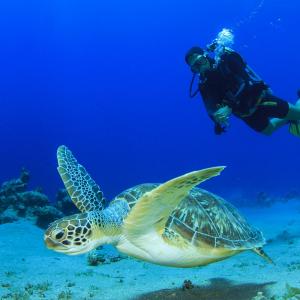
<point>273,125</point>
<point>294,112</point>
<point>293,115</point>
<point>281,109</point>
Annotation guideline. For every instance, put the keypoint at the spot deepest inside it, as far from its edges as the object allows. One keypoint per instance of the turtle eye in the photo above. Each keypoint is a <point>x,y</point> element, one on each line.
<point>58,234</point>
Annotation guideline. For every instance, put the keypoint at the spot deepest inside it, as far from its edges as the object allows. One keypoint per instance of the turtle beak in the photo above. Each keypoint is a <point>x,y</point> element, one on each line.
<point>49,243</point>
<point>59,247</point>
<point>52,245</point>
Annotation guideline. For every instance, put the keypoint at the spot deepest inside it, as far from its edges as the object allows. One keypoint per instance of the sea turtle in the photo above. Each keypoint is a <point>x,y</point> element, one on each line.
<point>173,224</point>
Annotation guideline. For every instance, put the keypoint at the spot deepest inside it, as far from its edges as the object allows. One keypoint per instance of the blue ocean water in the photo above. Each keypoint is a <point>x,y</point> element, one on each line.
<point>108,79</point>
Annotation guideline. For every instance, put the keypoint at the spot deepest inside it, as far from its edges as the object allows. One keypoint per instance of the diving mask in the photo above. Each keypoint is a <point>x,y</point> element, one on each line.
<point>197,62</point>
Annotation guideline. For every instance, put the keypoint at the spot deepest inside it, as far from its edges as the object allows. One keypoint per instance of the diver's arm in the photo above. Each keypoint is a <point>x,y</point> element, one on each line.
<point>214,109</point>
<point>210,99</point>
<point>217,111</point>
<point>211,106</point>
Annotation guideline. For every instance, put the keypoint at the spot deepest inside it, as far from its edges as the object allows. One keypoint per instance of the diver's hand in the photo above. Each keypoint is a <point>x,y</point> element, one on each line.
<point>222,115</point>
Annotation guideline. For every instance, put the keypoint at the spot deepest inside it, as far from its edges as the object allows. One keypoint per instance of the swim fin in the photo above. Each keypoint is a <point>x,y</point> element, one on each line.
<point>294,128</point>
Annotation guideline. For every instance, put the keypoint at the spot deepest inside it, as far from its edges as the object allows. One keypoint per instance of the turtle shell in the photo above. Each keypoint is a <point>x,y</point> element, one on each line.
<point>206,220</point>
<point>202,219</point>
<point>133,194</point>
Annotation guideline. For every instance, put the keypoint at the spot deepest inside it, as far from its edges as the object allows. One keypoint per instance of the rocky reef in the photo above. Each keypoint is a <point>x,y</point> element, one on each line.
<point>264,199</point>
<point>64,204</point>
<point>17,202</point>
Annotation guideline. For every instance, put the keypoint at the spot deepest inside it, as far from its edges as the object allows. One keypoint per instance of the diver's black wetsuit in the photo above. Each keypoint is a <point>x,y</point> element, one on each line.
<point>250,99</point>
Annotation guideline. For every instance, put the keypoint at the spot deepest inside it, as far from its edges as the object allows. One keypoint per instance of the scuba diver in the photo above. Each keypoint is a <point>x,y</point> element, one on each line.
<point>229,86</point>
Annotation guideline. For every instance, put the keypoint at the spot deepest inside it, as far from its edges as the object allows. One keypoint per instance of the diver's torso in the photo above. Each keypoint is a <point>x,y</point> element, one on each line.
<point>216,86</point>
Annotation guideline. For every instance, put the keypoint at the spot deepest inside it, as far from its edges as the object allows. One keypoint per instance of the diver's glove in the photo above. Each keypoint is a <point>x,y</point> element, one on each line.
<point>221,116</point>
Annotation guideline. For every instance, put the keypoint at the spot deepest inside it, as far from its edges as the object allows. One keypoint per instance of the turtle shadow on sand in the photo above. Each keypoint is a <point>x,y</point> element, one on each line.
<point>218,289</point>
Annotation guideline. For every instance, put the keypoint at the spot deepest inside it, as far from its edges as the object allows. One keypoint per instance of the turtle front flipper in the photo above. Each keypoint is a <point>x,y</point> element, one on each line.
<point>83,190</point>
<point>153,209</point>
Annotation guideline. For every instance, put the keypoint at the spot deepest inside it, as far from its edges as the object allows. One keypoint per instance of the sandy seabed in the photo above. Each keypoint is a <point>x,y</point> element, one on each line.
<point>30,271</point>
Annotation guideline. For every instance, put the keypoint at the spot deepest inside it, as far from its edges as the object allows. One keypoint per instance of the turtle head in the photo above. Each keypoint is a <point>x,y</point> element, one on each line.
<point>73,235</point>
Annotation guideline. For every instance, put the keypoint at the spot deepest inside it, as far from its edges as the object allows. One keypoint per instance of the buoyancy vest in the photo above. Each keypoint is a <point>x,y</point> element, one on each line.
<point>243,86</point>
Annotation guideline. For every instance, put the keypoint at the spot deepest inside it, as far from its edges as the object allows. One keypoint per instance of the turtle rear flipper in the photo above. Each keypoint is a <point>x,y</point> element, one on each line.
<point>83,190</point>
<point>153,208</point>
<point>263,254</point>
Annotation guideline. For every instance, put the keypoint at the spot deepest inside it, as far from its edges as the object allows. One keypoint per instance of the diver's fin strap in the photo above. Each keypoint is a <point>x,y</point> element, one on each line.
<point>83,190</point>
